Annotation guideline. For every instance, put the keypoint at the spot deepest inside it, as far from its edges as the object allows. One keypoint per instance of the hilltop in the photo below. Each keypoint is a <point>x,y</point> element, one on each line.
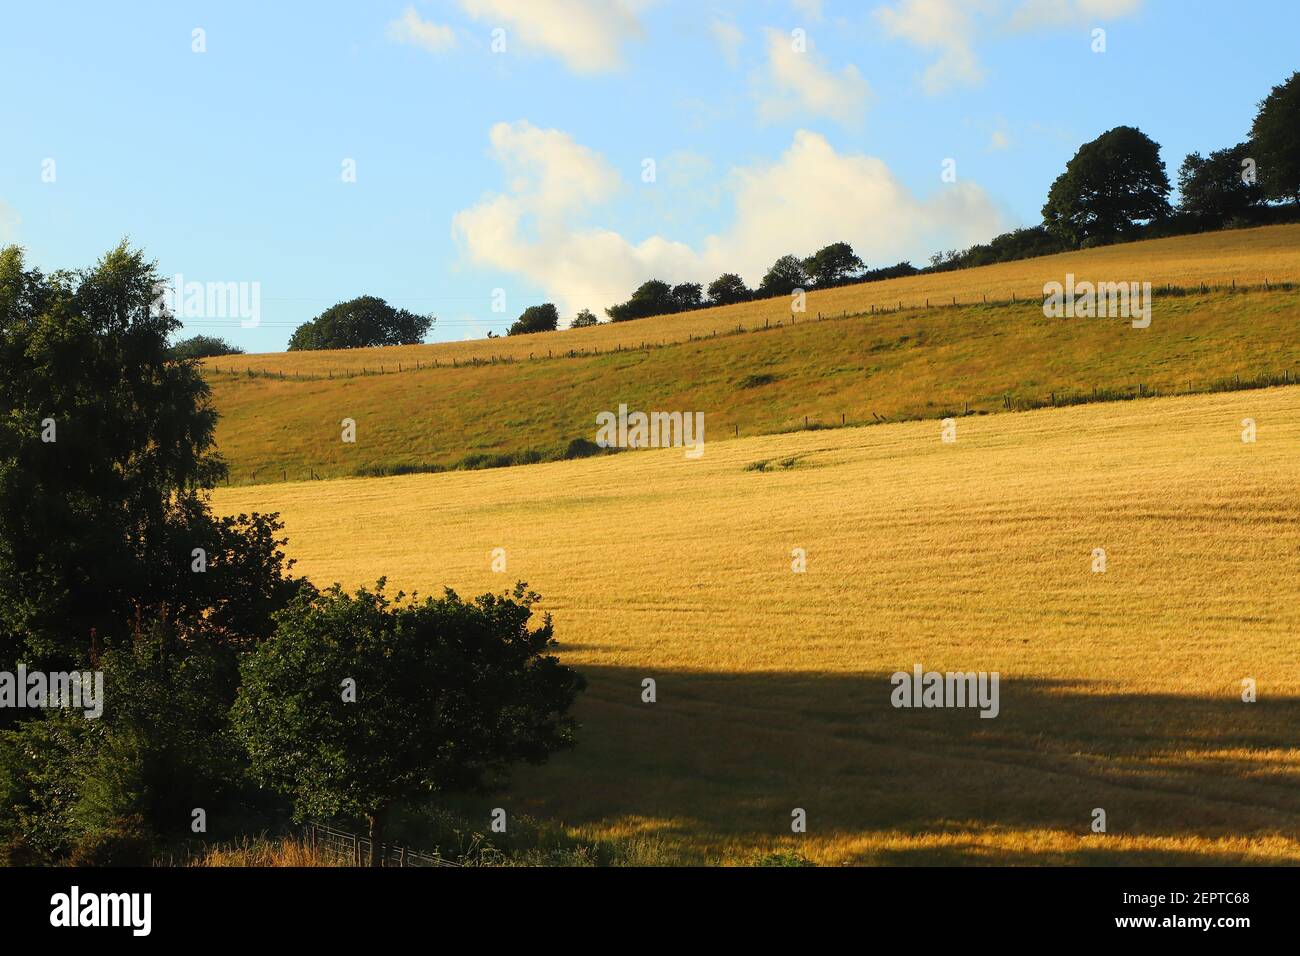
<point>750,370</point>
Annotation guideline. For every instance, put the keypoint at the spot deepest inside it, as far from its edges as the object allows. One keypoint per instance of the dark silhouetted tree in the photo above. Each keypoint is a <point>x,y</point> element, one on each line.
<point>728,289</point>
<point>203,346</point>
<point>785,275</point>
<point>833,265</point>
<point>1110,186</point>
<point>536,318</point>
<point>651,298</point>
<point>1214,189</point>
<point>361,323</point>
<point>687,296</point>
<point>1275,138</point>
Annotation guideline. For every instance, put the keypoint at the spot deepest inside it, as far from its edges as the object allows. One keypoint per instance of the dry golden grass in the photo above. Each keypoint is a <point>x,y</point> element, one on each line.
<point>1250,256</point>
<point>1119,690</point>
<point>265,852</point>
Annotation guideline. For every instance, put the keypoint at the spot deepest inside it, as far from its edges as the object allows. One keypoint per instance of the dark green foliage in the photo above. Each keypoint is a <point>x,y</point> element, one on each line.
<point>203,346</point>
<point>361,323</point>
<point>784,276</point>
<point>161,748</point>
<point>727,289</point>
<point>833,265</point>
<point>94,523</point>
<point>889,272</point>
<point>1019,244</point>
<point>651,298</point>
<point>448,694</point>
<point>125,841</point>
<point>582,448</point>
<point>1112,184</point>
<point>687,296</point>
<point>98,532</point>
<point>536,318</point>
<point>584,319</point>
<point>1275,138</point>
<point>1212,188</point>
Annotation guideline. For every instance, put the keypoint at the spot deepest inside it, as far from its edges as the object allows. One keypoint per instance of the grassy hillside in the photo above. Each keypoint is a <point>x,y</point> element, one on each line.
<point>908,364</point>
<point>1250,256</point>
<point>1119,690</point>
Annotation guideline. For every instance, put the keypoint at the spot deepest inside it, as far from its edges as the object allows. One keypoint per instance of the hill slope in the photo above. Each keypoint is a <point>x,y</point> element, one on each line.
<point>918,363</point>
<point>1249,256</point>
<point>1118,690</point>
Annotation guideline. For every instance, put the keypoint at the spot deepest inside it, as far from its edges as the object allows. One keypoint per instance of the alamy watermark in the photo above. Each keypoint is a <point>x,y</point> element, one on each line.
<point>37,689</point>
<point>923,688</point>
<point>653,430</point>
<point>1101,300</point>
<point>210,300</point>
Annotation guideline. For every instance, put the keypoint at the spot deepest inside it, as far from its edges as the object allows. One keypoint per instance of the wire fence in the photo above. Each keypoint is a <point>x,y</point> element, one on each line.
<point>353,849</point>
<point>789,320</point>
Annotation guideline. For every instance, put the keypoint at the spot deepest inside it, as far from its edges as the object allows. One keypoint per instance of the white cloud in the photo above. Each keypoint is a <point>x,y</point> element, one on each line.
<point>810,196</point>
<point>409,28</point>
<point>587,35</point>
<point>999,140</point>
<point>730,38</point>
<point>800,83</point>
<point>951,27</point>
<point>943,25</point>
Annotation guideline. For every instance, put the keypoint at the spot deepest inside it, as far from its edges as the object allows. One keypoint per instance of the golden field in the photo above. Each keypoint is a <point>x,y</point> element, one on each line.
<point>1118,690</point>
<point>1248,256</point>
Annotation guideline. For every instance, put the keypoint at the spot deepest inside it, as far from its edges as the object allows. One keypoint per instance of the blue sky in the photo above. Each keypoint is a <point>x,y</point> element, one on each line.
<point>517,175</point>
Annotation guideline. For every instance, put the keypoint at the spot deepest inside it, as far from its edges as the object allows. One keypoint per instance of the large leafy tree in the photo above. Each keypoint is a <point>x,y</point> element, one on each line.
<point>1275,135</point>
<point>1213,187</point>
<point>785,275</point>
<point>110,558</point>
<point>727,289</point>
<point>361,323</point>
<point>357,703</point>
<point>105,445</point>
<point>687,296</point>
<point>536,318</point>
<point>1110,186</point>
<point>833,264</point>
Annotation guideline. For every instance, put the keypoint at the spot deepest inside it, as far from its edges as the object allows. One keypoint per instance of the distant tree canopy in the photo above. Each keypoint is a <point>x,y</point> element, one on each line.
<point>361,323</point>
<point>728,289</point>
<point>584,319</point>
<point>784,276</point>
<point>1214,188</point>
<point>536,318</point>
<point>651,298</point>
<point>833,265</point>
<point>1111,184</point>
<point>687,296</point>
<point>1114,188</point>
<point>1275,136</point>
<point>203,346</point>
<point>355,704</point>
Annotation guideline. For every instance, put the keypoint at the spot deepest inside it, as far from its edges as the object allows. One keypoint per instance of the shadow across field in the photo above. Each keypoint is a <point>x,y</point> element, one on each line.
<point>720,760</point>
